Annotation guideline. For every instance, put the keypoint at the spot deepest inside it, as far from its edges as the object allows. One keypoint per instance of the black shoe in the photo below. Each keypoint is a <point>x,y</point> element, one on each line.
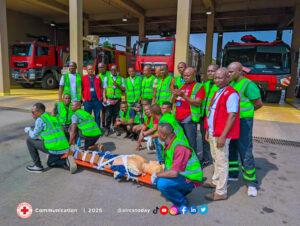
<point>106,133</point>
<point>135,137</point>
<point>118,133</point>
<point>34,168</point>
<point>128,135</point>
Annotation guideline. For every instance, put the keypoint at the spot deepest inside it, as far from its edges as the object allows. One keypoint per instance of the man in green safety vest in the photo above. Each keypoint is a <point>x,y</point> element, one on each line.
<point>164,86</point>
<point>132,86</point>
<point>149,83</point>
<point>53,141</point>
<point>127,118</point>
<point>70,83</point>
<point>113,87</point>
<point>179,81</point>
<point>182,172</point>
<point>63,112</point>
<point>103,73</point>
<point>250,101</point>
<point>209,88</point>
<point>87,127</point>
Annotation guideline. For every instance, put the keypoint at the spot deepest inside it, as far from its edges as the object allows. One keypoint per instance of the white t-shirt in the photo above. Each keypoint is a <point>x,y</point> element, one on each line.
<point>72,79</point>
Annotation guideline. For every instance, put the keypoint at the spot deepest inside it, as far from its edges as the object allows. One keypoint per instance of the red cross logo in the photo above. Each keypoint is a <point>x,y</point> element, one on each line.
<point>24,210</point>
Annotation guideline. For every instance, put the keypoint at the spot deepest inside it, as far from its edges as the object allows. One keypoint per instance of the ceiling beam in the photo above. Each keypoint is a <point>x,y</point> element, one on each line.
<point>131,6</point>
<point>209,5</point>
<point>51,4</point>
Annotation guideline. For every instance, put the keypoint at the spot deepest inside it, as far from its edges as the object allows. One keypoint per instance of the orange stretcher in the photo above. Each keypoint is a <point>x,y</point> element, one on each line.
<point>145,179</point>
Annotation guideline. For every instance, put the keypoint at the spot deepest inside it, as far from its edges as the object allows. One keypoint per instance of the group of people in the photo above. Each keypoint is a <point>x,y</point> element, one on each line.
<point>165,111</point>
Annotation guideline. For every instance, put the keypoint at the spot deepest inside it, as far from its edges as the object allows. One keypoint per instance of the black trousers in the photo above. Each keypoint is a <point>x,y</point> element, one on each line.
<point>206,148</point>
<point>35,145</point>
<point>112,112</point>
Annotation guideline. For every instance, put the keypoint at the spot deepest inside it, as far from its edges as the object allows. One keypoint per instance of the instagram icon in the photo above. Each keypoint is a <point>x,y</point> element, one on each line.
<point>174,210</point>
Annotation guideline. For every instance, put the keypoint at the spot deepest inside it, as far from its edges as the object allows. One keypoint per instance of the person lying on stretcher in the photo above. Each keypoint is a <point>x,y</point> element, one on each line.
<point>131,165</point>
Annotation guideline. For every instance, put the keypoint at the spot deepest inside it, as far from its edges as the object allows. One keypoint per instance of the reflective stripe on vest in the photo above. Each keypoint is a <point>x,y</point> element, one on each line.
<point>133,92</point>
<point>178,81</point>
<point>193,169</point>
<point>209,93</point>
<point>54,137</point>
<point>195,111</point>
<point>164,90</point>
<point>113,92</point>
<point>67,88</point>
<point>64,116</point>
<point>88,126</point>
<point>147,87</point>
<point>246,106</point>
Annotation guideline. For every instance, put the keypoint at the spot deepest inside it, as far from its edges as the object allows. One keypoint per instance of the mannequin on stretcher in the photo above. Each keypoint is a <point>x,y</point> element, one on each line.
<point>131,166</point>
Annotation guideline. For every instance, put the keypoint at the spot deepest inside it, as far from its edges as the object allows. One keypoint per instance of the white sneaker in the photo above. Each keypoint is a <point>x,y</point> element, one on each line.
<point>252,191</point>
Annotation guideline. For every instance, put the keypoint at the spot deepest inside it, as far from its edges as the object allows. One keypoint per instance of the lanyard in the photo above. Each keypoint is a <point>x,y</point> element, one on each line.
<point>219,94</point>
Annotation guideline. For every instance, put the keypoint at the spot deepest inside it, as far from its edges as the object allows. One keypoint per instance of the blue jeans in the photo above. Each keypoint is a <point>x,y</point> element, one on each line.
<point>174,189</point>
<point>158,149</point>
<point>243,147</point>
<point>95,106</point>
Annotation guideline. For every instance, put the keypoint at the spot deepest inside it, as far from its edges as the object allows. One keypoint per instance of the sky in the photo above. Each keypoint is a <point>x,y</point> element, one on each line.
<point>198,40</point>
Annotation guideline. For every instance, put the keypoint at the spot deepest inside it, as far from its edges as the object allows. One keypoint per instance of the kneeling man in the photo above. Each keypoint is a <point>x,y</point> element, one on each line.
<point>182,170</point>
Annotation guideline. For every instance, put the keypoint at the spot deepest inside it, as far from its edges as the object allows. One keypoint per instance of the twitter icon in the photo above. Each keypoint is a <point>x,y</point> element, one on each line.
<point>203,209</point>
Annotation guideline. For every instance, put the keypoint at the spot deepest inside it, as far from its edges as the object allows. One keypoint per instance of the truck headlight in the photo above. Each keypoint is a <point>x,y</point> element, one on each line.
<point>32,75</point>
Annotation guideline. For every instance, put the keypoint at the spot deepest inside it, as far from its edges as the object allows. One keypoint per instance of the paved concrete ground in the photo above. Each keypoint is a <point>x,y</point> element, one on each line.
<point>278,200</point>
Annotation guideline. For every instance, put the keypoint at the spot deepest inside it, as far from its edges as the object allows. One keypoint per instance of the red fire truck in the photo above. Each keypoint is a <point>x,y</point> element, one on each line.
<point>160,51</point>
<point>37,62</point>
<point>268,64</point>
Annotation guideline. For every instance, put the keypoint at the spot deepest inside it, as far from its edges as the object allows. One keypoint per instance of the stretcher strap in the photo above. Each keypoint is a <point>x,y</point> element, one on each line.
<point>94,153</point>
<point>84,155</point>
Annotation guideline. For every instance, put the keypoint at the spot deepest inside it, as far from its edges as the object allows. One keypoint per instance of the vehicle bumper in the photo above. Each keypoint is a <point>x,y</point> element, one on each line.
<point>271,82</point>
<point>33,75</point>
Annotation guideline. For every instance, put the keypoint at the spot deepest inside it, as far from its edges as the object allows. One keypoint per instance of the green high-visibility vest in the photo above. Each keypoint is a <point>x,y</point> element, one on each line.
<point>133,92</point>
<point>137,118</point>
<point>170,118</point>
<point>67,86</point>
<point>192,170</point>
<point>88,125</point>
<point>113,92</point>
<point>210,90</point>
<point>64,116</point>
<point>164,90</point>
<point>103,76</point>
<point>196,111</point>
<point>54,137</point>
<point>178,81</point>
<point>147,87</point>
<point>246,105</point>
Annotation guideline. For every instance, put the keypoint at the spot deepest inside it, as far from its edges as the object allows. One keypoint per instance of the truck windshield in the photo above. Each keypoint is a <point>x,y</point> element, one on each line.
<point>22,50</point>
<point>260,59</point>
<point>156,48</point>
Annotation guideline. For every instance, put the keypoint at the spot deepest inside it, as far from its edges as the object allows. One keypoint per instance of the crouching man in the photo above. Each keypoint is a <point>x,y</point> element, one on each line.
<point>53,142</point>
<point>182,170</point>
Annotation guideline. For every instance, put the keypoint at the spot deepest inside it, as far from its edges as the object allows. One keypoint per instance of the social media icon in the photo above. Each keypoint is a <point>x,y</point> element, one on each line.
<point>173,210</point>
<point>193,209</point>
<point>155,211</point>
<point>183,210</point>
<point>203,209</point>
<point>163,210</point>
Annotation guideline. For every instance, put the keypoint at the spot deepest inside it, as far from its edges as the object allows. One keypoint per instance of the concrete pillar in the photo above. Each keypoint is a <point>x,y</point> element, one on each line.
<point>128,42</point>
<point>141,27</point>
<point>182,32</point>
<point>295,50</point>
<point>76,44</point>
<point>219,47</point>
<point>4,60</point>
<point>209,42</point>
<point>85,30</point>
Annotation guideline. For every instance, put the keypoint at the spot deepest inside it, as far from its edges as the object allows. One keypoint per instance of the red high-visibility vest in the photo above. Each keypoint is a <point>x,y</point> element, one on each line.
<point>221,116</point>
<point>86,93</point>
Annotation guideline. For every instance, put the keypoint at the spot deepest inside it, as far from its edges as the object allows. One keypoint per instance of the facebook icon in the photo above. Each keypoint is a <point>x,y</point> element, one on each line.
<point>193,209</point>
<point>183,209</point>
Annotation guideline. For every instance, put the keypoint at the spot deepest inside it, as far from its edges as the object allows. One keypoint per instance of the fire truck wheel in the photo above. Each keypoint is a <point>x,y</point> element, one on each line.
<point>273,96</point>
<point>27,85</point>
<point>49,81</point>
